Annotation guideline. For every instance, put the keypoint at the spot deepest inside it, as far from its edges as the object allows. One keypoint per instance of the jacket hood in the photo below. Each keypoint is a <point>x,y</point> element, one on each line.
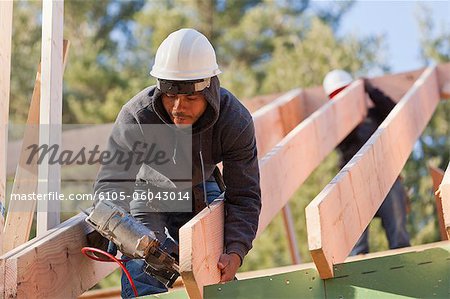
<point>208,118</point>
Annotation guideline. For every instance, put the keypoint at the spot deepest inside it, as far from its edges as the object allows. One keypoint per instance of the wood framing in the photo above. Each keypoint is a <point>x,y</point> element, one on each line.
<point>337,217</point>
<point>445,196</point>
<point>52,266</point>
<point>50,110</point>
<point>20,213</point>
<point>6,10</point>
<point>201,244</point>
<point>282,170</point>
<point>437,175</point>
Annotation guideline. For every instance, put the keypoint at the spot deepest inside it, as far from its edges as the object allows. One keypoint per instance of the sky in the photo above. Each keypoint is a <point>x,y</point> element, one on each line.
<point>397,21</point>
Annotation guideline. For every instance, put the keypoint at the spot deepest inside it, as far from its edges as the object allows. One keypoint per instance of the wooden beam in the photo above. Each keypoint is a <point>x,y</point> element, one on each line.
<point>445,196</point>
<point>257,102</point>
<point>437,175</point>
<point>337,112</point>
<point>283,170</point>
<point>397,85</point>
<point>6,10</point>
<point>21,212</point>
<point>52,266</point>
<point>337,217</point>
<point>50,110</point>
<point>276,119</point>
<point>201,244</point>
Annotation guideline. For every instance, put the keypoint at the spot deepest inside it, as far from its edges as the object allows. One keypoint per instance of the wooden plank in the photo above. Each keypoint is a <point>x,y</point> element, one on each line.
<point>337,217</point>
<point>50,110</point>
<point>201,244</point>
<point>273,121</point>
<point>437,175</point>
<point>20,213</point>
<point>52,266</point>
<point>282,170</point>
<point>257,102</point>
<point>445,196</point>
<point>396,85</point>
<point>6,10</point>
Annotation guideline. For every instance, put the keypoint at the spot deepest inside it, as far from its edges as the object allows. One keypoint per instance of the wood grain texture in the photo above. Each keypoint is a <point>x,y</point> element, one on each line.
<point>201,244</point>
<point>52,266</point>
<point>50,112</point>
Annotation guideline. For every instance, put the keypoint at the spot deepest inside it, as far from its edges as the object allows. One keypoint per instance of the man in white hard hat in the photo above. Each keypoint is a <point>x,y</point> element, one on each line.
<point>188,95</point>
<point>393,210</point>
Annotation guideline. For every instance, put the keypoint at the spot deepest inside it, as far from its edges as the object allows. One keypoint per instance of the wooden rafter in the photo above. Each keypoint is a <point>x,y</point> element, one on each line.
<point>52,266</point>
<point>50,110</point>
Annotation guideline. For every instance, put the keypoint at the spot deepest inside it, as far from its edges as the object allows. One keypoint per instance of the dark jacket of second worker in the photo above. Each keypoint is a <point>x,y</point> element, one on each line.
<point>224,133</point>
<point>383,105</point>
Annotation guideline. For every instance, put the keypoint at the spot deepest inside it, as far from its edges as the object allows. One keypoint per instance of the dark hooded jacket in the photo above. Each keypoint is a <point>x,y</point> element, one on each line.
<point>383,105</point>
<point>224,133</point>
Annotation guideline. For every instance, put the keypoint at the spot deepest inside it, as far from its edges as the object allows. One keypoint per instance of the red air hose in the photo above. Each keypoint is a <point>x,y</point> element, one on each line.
<point>87,251</point>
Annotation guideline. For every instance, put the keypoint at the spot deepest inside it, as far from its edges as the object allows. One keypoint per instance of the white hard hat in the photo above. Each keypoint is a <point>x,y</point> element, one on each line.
<point>335,80</point>
<point>184,55</point>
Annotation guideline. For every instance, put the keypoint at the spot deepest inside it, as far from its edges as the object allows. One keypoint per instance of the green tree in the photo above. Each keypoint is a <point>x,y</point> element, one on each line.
<point>98,79</point>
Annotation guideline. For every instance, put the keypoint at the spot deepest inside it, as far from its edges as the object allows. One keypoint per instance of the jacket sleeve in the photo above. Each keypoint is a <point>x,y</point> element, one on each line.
<point>243,194</point>
<point>383,103</point>
<point>116,178</point>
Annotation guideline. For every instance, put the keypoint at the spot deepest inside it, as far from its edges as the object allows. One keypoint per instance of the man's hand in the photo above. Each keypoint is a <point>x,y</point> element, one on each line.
<point>228,265</point>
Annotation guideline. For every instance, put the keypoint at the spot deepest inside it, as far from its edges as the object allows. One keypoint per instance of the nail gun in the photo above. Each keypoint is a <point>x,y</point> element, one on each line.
<point>135,240</point>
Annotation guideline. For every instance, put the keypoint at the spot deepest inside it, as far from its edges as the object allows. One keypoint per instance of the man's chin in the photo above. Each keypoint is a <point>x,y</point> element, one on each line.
<point>183,125</point>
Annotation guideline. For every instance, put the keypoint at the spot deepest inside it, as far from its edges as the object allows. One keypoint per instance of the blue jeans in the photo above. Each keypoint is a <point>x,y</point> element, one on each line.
<point>161,224</point>
<point>393,218</point>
